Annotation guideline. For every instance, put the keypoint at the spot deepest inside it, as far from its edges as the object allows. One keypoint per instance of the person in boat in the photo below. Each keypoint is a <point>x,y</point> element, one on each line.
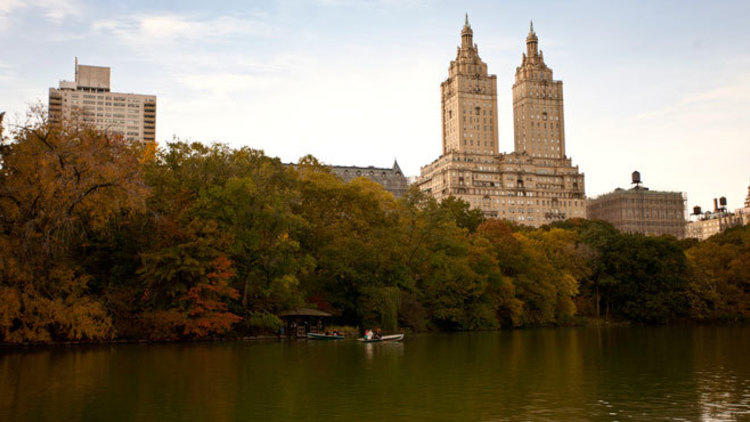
<point>378,334</point>
<point>368,334</point>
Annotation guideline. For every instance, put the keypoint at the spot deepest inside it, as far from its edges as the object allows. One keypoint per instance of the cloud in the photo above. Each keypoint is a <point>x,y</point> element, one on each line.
<point>698,144</point>
<point>220,84</point>
<point>735,92</point>
<point>722,103</point>
<point>7,6</point>
<point>52,10</point>
<point>343,110</point>
<point>376,3</point>
<point>6,73</point>
<point>143,30</point>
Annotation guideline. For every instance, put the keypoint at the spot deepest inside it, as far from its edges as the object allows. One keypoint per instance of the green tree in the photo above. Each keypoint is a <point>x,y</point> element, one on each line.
<point>720,276</point>
<point>462,213</point>
<point>648,278</point>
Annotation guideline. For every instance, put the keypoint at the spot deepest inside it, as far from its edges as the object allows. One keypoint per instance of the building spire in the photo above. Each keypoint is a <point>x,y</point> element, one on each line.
<point>467,34</point>
<point>531,41</point>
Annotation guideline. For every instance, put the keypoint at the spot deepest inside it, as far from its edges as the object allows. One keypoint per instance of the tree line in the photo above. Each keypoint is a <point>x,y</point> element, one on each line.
<point>104,239</point>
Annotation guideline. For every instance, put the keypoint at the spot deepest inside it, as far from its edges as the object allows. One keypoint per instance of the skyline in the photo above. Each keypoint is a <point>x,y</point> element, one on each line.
<point>678,78</point>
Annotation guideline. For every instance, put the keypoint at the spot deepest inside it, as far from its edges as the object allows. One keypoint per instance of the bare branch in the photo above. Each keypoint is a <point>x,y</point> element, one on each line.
<point>11,197</point>
<point>88,192</point>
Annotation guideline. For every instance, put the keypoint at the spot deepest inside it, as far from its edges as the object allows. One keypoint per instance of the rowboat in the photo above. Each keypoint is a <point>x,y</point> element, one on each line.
<point>394,337</point>
<point>317,336</point>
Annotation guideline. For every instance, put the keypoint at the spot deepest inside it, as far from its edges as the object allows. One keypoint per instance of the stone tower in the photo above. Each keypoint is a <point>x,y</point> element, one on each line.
<point>539,128</point>
<point>469,101</point>
<point>534,185</point>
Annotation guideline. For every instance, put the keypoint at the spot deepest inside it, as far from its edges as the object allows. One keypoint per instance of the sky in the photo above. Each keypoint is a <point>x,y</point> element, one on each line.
<point>662,87</point>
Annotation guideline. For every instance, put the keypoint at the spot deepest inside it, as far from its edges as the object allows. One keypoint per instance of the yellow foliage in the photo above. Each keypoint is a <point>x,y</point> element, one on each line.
<point>59,181</point>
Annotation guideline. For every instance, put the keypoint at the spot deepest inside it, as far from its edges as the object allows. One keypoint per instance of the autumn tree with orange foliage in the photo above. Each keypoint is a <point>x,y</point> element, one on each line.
<point>205,303</point>
<point>58,182</point>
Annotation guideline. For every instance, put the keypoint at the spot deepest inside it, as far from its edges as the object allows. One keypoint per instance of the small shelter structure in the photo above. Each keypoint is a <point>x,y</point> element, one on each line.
<point>299,322</point>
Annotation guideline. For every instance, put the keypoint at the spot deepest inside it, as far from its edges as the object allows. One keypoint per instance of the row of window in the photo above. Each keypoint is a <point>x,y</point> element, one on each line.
<point>538,117</point>
<point>106,97</point>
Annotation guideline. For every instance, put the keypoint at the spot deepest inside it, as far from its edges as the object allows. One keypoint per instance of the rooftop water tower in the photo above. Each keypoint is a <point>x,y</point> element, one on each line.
<point>636,177</point>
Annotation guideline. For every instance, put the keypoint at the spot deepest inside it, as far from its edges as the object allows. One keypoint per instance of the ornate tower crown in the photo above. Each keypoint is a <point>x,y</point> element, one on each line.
<point>467,35</point>
<point>532,43</point>
<point>537,105</point>
<point>469,101</point>
<point>532,34</point>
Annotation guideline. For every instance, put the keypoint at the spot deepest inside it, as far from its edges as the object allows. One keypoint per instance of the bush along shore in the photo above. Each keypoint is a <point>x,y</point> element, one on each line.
<point>105,240</point>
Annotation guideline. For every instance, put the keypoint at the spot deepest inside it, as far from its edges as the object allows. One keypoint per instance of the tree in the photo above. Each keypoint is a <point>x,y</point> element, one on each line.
<point>58,183</point>
<point>649,278</point>
<point>248,199</point>
<point>507,253</point>
<point>350,233</point>
<point>720,276</point>
<point>205,303</point>
<point>462,213</point>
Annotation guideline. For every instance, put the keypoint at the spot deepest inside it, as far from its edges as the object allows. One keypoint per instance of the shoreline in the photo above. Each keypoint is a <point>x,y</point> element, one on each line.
<point>590,323</point>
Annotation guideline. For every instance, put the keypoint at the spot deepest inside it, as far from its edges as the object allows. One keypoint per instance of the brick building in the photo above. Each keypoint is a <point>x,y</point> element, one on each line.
<point>706,224</point>
<point>641,210</point>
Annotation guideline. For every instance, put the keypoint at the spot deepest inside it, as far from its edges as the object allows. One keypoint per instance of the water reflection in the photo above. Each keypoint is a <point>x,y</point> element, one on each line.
<point>544,374</point>
<point>383,350</point>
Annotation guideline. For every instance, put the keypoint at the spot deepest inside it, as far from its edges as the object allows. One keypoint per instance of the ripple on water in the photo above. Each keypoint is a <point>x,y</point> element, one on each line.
<point>630,373</point>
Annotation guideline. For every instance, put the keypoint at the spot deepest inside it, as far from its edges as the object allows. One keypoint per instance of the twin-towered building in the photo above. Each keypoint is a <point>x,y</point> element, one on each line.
<point>534,185</point>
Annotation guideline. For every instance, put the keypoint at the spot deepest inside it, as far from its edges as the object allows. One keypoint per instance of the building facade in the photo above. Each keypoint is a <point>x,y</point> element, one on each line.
<point>392,179</point>
<point>88,99</point>
<point>641,210</point>
<point>706,224</point>
<point>469,101</point>
<point>534,185</point>
<point>539,127</point>
<point>744,213</point>
<point>711,223</point>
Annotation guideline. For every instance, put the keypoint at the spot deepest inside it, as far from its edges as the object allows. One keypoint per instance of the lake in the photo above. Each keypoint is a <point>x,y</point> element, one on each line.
<point>583,373</point>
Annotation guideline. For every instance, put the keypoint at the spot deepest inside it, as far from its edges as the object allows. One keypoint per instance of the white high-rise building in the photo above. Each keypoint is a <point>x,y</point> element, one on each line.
<point>89,99</point>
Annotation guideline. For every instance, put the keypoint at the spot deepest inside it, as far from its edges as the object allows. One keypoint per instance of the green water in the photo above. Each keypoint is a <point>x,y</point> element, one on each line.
<point>674,373</point>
